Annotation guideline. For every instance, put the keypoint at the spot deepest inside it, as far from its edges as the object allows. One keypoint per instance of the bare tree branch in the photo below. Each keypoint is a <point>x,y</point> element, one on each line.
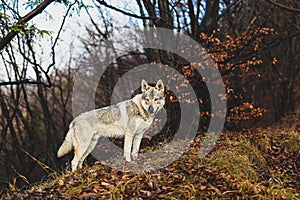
<point>24,81</point>
<point>5,40</point>
<point>56,40</point>
<point>102,2</point>
<point>288,8</point>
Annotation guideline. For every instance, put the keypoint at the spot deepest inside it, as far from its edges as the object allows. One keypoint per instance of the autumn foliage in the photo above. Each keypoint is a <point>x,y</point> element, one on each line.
<point>240,61</point>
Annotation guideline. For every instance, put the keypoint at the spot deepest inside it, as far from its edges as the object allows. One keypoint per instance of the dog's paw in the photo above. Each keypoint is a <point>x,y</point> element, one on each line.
<point>134,157</point>
<point>128,159</point>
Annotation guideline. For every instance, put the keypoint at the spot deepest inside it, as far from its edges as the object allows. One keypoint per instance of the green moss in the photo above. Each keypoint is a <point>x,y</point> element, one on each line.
<point>233,162</point>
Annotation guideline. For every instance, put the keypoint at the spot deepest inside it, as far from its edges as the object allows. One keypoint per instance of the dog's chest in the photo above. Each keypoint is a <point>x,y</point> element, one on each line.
<point>141,125</point>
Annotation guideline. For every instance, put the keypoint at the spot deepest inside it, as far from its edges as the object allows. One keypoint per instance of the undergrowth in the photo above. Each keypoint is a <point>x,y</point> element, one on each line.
<point>251,165</point>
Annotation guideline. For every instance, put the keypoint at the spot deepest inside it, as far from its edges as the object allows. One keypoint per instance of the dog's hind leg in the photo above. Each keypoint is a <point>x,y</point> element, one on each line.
<point>80,149</point>
<point>78,153</point>
<point>88,150</point>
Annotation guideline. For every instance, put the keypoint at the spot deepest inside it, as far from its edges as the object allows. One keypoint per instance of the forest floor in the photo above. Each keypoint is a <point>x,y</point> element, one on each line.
<point>261,163</point>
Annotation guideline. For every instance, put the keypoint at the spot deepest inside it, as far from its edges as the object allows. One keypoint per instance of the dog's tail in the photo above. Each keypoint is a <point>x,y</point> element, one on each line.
<point>67,145</point>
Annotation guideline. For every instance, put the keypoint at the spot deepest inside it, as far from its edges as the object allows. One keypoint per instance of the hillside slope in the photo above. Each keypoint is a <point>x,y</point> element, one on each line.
<point>262,163</point>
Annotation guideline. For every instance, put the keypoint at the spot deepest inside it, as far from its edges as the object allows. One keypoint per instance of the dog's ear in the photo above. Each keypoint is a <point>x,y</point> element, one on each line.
<point>144,86</point>
<point>160,86</point>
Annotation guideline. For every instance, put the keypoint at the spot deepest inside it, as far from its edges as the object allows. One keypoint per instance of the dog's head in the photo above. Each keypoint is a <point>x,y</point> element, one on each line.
<point>153,97</point>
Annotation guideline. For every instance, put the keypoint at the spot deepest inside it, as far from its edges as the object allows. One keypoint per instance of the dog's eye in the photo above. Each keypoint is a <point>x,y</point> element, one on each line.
<point>156,99</point>
<point>147,100</point>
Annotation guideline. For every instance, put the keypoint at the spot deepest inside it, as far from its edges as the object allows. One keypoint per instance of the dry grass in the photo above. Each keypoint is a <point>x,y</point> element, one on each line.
<point>241,166</point>
<point>292,143</point>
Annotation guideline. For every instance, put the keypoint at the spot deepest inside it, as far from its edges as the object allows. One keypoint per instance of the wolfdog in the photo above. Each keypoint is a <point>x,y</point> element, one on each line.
<point>129,119</point>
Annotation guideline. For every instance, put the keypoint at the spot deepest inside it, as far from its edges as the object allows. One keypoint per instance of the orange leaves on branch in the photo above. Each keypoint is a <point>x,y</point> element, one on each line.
<point>274,62</point>
<point>188,71</point>
<point>245,112</point>
<point>241,65</point>
<point>231,47</point>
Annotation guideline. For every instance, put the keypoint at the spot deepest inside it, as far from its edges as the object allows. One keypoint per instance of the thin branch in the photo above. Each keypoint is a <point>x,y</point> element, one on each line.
<point>13,11</point>
<point>102,2</point>
<point>288,8</point>
<point>5,40</point>
<point>57,38</point>
<point>24,81</point>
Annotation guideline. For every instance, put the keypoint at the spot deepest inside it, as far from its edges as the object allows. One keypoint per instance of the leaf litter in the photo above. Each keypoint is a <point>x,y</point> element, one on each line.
<point>261,163</point>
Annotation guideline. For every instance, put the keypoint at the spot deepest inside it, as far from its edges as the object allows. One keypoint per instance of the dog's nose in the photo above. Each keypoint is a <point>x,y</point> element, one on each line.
<point>151,109</point>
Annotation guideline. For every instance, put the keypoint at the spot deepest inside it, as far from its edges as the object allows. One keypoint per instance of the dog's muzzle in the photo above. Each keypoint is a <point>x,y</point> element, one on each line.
<point>151,110</point>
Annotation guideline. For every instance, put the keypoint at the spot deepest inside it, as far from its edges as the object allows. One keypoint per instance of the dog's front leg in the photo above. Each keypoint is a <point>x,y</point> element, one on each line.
<point>127,147</point>
<point>136,145</point>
